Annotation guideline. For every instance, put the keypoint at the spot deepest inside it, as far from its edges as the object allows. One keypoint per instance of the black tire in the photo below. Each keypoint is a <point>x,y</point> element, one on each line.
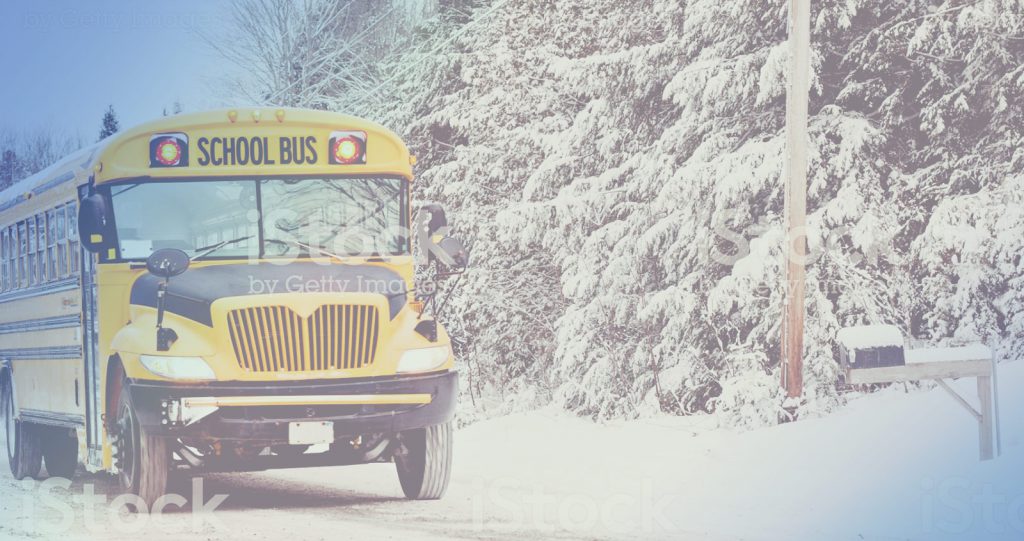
<point>60,452</point>
<point>424,462</point>
<point>23,446</point>
<point>180,483</point>
<point>143,460</point>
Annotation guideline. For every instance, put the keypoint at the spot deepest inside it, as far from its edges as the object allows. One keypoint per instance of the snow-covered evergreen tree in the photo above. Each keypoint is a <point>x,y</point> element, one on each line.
<point>627,168</point>
<point>110,124</point>
<point>8,167</point>
<point>616,167</point>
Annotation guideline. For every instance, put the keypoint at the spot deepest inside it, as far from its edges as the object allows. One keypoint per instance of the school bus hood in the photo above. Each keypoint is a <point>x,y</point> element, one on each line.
<point>192,294</point>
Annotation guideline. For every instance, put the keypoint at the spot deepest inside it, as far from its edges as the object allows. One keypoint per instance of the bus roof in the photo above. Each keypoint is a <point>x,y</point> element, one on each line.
<point>127,155</point>
<point>75,167</point>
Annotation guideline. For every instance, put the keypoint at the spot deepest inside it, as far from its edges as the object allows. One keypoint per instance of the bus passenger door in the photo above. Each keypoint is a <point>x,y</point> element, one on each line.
<point>90,353</point>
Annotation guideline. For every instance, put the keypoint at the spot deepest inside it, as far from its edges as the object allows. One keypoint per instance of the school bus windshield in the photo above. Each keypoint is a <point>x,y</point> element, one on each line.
<point>265,218</point>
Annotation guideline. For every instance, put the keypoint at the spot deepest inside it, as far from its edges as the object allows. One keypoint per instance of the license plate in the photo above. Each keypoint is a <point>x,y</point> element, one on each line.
<point>310,433</point>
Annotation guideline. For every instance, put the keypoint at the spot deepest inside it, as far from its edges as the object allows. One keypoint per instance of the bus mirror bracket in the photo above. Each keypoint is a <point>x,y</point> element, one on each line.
<point>432,218</point>
<point>454,256</point>
<point>452,260</point>
<point>166,264</point>
<point>93,223</point>
<point>428,329</point>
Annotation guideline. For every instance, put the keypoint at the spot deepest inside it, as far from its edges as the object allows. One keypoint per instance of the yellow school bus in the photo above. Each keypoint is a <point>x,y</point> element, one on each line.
<point>226,291</point>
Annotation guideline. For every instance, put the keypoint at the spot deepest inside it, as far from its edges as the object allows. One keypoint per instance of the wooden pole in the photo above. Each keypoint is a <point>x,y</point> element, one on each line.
<point>985,430</point>
<point>995,404</point>
<point>797,95</point>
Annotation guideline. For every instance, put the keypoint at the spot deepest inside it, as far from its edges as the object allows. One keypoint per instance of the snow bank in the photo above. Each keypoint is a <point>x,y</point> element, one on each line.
<point>870,336</point>
<point>890,465</point>
<point>973,352</point>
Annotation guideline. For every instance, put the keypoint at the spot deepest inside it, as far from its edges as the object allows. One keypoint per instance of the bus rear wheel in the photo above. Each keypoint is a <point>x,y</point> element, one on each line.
<point>23,446</point>
<point>60,452</point>
<point>424,462</point>
<point>143,461</point>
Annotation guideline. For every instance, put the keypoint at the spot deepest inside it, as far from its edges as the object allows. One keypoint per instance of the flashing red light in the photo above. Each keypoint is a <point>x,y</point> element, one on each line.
<point>168,152</point>
<point>347,150</point>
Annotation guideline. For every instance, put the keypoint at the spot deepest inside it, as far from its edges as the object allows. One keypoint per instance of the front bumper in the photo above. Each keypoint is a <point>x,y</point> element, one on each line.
<point>261,412</point>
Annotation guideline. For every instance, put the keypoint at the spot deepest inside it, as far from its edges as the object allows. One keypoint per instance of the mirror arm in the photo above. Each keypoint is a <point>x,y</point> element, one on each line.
<point>164,337</point>
<point>161,295</point>
<point>166,263</point>
<point>444,302</point>
<point>428,327</point>
<point>428,300</point>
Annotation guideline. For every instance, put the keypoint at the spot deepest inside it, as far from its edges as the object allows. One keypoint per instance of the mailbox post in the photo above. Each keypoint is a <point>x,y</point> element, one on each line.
<point>871,354</point>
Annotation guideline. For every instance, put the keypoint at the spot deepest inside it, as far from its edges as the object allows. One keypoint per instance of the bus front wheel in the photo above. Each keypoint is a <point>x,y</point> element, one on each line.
<point>143,461</point>
<point>23,446</point>
<point>424,462</point>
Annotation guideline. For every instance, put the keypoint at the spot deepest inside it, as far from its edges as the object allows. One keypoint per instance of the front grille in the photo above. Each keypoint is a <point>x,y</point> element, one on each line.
<point>275,339</point>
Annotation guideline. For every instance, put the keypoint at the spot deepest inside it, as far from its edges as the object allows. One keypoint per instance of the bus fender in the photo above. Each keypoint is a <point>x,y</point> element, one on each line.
<point>112,386</point>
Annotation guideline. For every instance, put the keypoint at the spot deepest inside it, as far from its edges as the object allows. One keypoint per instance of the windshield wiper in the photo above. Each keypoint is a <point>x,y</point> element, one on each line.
<point>209,250</point>
<point>345,260</point>
<point>309,249</point>
<point>321,251</point>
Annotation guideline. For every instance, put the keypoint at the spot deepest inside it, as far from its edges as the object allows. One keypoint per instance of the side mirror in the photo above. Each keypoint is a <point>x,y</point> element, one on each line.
<point>93,224</point>
<point>455,252</point>
<point>167,263</point>
<point>433,218</point>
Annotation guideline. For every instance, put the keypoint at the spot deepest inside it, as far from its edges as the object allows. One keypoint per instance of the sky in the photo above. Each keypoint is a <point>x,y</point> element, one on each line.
<point>64,62</point>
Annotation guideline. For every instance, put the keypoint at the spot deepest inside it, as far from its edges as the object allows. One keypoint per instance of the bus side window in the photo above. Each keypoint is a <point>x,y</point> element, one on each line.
<point>30,266</point>
<point>12,258</point>
<point>62,249</point>
<point>73,250</point>
<point>51,245</point>
<point>41,248</point>
<point>3,259</point>
<point>9,260</point>
<point>22,255</point>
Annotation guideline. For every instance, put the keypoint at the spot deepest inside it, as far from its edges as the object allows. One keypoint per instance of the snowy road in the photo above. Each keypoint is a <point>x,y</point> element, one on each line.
<point>887,466</point>
<point>313,504</point>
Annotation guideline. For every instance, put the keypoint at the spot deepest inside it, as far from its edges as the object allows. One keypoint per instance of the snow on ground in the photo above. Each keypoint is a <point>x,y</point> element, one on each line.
<point>892,465</point>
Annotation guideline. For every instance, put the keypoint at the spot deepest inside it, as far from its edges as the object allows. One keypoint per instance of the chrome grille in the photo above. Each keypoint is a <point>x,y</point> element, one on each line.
<point>276,339</point>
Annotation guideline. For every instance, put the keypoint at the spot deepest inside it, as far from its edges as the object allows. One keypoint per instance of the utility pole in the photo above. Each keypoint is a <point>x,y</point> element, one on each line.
<point>795,177</point>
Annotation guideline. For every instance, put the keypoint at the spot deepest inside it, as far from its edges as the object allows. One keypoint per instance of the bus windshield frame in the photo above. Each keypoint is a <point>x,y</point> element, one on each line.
<point>260,208</point>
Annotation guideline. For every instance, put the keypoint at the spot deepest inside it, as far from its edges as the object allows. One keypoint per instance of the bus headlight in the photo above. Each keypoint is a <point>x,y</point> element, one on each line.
<point>424,359</point>
<point>193,368</point>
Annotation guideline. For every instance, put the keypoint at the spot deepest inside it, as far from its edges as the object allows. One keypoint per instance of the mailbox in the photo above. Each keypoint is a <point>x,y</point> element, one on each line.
<point>870,346</point>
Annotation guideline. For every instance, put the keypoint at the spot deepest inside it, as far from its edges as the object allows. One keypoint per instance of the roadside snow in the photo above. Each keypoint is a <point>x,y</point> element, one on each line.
<point>889,465</point>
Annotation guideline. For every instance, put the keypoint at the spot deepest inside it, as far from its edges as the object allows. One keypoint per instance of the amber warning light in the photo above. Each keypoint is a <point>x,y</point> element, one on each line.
<point>347,147</point>
<point>168,150</point>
